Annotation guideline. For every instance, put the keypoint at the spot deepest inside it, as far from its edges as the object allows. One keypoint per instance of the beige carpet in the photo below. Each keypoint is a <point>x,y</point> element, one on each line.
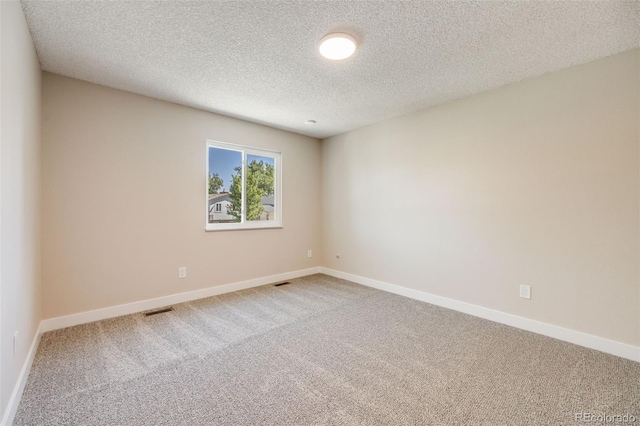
<point>319,351</point>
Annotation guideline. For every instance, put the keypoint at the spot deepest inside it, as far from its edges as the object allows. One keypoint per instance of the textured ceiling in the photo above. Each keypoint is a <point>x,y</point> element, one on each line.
<point>258,60</point>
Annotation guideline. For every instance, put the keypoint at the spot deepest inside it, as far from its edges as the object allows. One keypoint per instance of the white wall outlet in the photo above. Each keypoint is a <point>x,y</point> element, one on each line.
<point>309,253</point>
<point>182,272</point>
<point>525,291</point>
<point>15,343</point>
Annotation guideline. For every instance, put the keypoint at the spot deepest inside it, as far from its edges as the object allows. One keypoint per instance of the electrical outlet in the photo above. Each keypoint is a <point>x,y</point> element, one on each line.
<point>15,343</point>
<point>182,272</point>
<point>525,291</point>
<point>309,253</point>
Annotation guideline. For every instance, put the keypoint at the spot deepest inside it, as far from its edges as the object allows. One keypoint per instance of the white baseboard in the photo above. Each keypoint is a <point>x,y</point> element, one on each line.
<point>576,337</point>
<point>14,401</point>
<point>158,302</point>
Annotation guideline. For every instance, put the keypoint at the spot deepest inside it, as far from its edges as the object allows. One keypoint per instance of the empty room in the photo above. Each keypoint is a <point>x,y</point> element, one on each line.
<point>297,212</point>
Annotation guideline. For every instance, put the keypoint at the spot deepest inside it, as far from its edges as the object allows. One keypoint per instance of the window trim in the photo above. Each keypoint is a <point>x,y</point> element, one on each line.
<point>244,225</point>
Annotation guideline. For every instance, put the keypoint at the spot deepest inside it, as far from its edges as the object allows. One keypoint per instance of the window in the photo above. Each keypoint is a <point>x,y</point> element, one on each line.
<point>243,187</point>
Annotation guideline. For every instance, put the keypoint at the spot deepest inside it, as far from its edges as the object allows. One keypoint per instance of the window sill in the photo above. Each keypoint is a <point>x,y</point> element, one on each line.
<point>241,228</point>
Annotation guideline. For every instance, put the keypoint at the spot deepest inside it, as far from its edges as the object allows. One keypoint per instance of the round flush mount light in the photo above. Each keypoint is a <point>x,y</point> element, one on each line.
<point>337,46</point>
<point>310,122</point>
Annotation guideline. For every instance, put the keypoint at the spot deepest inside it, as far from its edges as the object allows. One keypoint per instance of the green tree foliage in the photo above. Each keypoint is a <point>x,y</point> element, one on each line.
<point>215,183</point>
<point>235,193</point>
<point>259,183</point>
<point>263,174</point>
<point>254,192</point>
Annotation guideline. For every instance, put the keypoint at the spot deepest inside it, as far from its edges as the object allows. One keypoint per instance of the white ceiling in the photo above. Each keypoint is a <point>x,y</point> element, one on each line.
<point>258,60</point>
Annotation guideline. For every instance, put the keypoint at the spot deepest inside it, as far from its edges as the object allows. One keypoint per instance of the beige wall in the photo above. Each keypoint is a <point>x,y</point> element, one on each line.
<point>19,195</point>
<point>123,200</point>
<point>535,183</point>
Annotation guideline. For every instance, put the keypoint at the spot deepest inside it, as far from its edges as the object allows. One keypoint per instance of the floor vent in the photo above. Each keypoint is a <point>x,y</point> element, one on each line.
<point>279,284</point>
<point>159,311</point>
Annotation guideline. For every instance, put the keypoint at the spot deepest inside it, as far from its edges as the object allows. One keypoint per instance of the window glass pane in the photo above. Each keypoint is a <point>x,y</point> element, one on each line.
<point>260,188</point>
<point>225,185</point>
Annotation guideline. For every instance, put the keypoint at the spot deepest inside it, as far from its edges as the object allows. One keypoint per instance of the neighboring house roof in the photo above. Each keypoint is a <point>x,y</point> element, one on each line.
<point>217,198</point>
<point>214,196</point>
<point>267,202</point>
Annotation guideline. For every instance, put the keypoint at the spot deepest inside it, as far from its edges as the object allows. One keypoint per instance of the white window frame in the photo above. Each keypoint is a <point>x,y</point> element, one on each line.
<point>217,207</point>
<point>277,195</point>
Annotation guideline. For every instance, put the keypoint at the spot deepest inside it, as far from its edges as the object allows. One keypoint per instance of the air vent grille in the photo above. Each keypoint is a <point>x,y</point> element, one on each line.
<point>158,311</point>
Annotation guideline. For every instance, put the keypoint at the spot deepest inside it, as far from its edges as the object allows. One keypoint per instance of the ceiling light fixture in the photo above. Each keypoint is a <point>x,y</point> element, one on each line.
<point>336,46</point>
